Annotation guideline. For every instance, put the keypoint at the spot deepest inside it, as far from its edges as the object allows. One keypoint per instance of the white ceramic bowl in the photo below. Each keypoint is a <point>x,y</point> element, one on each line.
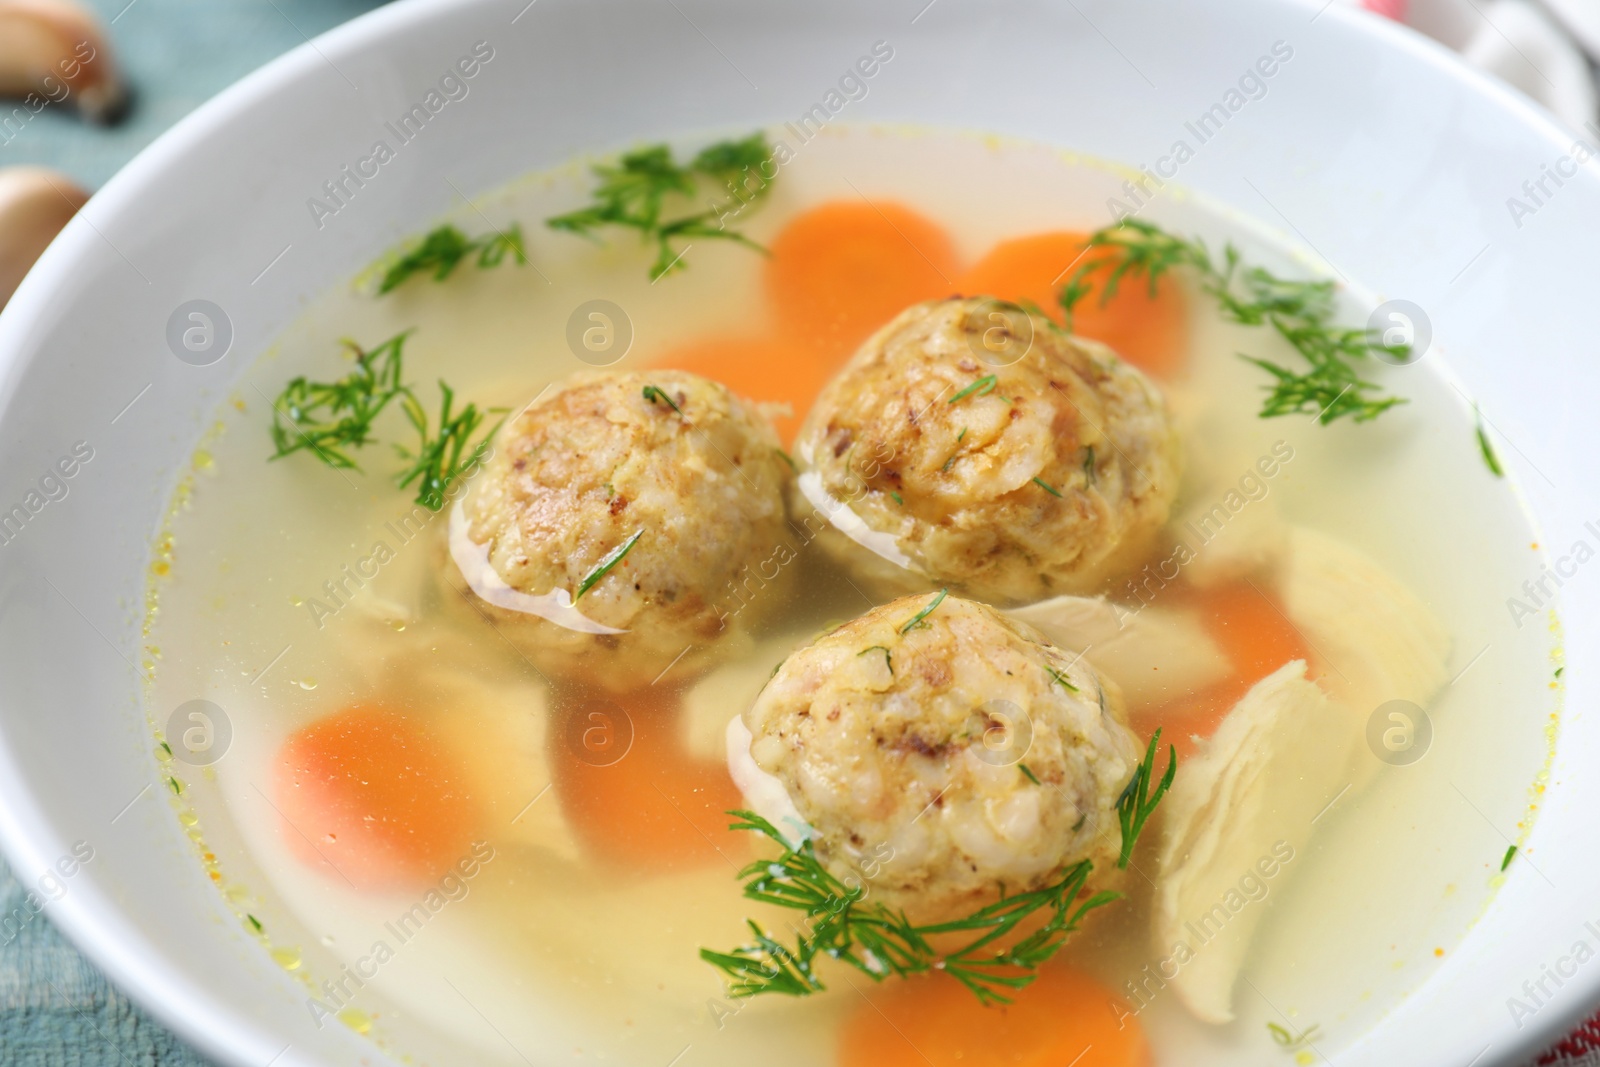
<point>1377,150</point>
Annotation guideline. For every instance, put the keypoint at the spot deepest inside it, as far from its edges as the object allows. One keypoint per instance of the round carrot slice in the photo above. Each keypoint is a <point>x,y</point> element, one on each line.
<point>371,794</point>
<point>1151,332</point>
<point>844,268</point>
<point>1256,637</point>
<point>764,369</point>
<point>634,795</point>
<point>1064,1017</point>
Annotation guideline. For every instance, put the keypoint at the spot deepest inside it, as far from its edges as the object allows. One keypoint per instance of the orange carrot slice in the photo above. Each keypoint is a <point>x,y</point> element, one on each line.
<point>1149,332</point>
<point>1256,637</point>
<point>765,369</point>
<point>1064,1017</point>
<point>844,268</point>
<point>370,793</point>
<point>635,797</point>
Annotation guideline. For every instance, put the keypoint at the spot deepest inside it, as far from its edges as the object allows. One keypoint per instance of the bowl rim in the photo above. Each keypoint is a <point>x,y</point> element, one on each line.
<point>95,926</point>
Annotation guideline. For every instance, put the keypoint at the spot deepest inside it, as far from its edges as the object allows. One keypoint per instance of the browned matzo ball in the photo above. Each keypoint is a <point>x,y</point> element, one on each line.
<point>657,489</point>
<point>930,463</point>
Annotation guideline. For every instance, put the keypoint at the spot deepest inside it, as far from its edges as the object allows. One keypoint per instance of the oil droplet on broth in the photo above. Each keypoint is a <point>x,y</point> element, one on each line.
<point>359,1021</point>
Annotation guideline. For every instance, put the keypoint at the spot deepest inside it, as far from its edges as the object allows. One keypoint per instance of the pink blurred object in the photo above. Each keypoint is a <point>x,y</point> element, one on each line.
<point>1389,9</point>
<point>1518,41</point>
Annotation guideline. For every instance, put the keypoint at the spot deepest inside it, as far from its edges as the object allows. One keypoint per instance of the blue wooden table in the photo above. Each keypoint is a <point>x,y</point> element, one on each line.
<point>56,1010</point>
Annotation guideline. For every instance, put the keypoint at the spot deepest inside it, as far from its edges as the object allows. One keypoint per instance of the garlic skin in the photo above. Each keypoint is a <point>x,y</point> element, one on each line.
<point>35,203</point>
<point>54,52</point>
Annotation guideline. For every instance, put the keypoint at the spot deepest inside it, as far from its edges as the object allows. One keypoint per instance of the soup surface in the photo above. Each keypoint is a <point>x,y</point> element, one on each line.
<point>532,865</point>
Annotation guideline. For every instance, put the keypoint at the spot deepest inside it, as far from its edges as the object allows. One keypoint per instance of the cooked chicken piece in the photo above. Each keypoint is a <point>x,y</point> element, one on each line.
<point>927,463</point>
<point>902,741</point>
<point>1154,654</point>
<point>1376,640</point>
<point>1246,801</point>
<point>623,519</point>
<point>1241,806</point>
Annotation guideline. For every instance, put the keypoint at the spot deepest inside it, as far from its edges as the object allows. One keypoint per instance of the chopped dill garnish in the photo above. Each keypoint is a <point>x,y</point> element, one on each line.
<point>1060,677</point>
<point>787,458</point>
<point>1301,312</point>
<point>1028,774</point>
<point>916,620</point>
<point>841,924</point>
<point>174,785</point>
<point>1510,855</point>
<point>330,418</point>
<point>1292,1042</point>
<point>632,193</point>
<point>1490,458</point>
<point>897,498</point>
<point>653,393</point>
<point>1558,674</point>
<point>1088,464</point>
<point>1138,801</point>
<point>443,249</point>
<point>960,435</point>
<point>168,748</point>
<point>982,387</point>
<point>440,461</point>
<point>255,923</point>
<point>610,560</point>
<point>1047,487</point>
<point>887,658</point>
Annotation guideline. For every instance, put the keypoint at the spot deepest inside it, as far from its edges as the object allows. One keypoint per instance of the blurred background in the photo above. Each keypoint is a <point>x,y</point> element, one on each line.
<point>169,57</point>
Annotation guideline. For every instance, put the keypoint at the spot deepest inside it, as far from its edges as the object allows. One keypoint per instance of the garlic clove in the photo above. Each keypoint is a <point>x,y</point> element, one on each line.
<point>55,52</point>
<point>35,204</point>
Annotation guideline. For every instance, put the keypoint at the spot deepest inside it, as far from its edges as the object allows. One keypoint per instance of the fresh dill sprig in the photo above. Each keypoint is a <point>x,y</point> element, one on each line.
<point>1511,854</point>
<point>1138,801</point>
<point>1290,1041</point>
<point>1061,677</point>
<point>1329,387</point>
<point>611,559</point>
<point>888,657</point>
<point>443,249</point>
<point>331,418</point>
<point>880,942</point>
<point>441,459</point>
<point>1047,487</point>
<point>916,620</point>
<point>633,193</point>
<point>982,387</point>
<point>1028,774</point>
<point>653,393</point>
<point>1491,459</point>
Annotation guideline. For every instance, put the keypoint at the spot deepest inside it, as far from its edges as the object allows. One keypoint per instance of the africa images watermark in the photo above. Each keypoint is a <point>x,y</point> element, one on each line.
<point>1251,888</point>
<point>1537,593</point>
<point>1537,191</point>
<point>341,189</point>
<point>57,86</point>
<point>1251,86</point>
<point>48,888</point>
<point>1203,527</point>
<point>452,887</point>
<point>342,589</point>
<point>852,86</point>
